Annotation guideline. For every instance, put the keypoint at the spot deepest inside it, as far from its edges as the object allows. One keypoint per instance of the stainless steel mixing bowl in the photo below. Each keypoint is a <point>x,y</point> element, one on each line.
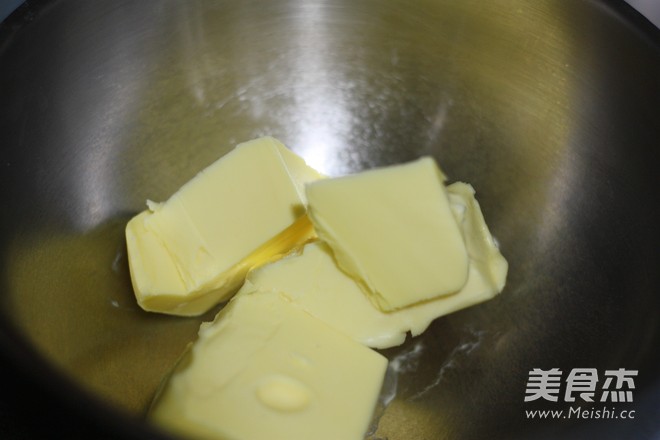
<point>549,108</point>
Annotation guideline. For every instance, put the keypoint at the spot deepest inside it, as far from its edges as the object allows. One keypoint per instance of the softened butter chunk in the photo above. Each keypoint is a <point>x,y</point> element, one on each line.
<point>485,256</point>
<point>393,229</point>
<point>313,281</point>
<point>247,208</point>
<point>265,369</point>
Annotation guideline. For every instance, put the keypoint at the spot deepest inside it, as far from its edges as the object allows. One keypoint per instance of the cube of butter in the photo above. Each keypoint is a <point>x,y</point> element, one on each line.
<point>312,281</point>
<point>264,369</point>
<point>393,230</point>
<point>193,251</point>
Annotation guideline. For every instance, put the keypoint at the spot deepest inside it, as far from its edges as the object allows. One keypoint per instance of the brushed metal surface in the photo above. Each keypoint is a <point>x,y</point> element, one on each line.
<point>549,108</point>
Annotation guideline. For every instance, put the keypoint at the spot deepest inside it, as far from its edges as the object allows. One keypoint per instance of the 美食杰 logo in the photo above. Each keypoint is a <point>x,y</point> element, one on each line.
<point>581,385</point>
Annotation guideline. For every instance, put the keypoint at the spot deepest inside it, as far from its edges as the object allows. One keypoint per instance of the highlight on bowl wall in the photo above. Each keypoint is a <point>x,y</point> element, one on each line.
<point>7,7</point>
<point>648,8</point>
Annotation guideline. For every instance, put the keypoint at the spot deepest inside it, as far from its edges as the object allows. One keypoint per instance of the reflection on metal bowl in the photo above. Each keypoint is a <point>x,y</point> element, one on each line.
<point>548,108</point>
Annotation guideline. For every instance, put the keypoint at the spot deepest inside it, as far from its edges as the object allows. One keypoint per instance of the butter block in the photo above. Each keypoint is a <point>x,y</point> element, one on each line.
<point>247,208</point>
<point>265,369</point>
<point>393,230</point>
<point>312,281</point>
<point>484,253</point>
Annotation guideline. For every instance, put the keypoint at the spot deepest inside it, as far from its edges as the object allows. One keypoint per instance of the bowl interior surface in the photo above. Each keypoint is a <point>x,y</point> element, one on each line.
<point>549,108</point>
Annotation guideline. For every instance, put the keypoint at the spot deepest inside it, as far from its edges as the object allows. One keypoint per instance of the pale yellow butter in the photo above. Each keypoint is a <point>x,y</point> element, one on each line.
<point>485,256</point>
<point>265,369</point>
<point>193,251</point>
<point>314,282</point>
<point>393,230</point>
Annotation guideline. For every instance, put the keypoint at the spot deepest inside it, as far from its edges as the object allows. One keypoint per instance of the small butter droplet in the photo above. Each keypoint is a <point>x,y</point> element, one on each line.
<point>300,360</point>
<point>283,393</point>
